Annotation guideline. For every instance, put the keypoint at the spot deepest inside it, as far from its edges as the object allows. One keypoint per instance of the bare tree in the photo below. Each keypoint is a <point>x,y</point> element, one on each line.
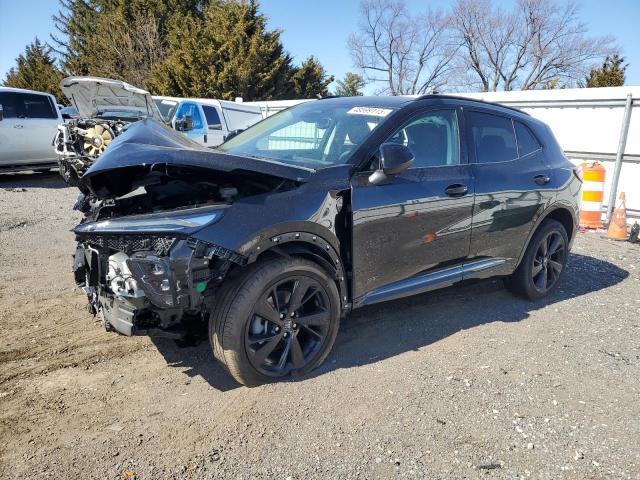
<point>407,54</point>
<point>131,52</point>
<point>539,44</point>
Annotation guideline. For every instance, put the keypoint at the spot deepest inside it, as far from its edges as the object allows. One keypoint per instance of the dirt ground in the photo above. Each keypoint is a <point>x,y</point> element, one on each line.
<point>468,382</point>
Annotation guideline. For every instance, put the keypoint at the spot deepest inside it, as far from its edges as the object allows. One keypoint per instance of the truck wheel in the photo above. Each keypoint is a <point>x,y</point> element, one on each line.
<point>543,263</point>
<point>278,318</point>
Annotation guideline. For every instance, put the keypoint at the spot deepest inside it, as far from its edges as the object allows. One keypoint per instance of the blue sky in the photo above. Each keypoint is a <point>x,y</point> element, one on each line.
<point>320,27</point>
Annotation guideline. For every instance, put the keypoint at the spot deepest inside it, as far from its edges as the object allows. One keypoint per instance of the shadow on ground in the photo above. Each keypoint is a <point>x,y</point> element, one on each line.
<point>376,332</point>
<point>50,179</point>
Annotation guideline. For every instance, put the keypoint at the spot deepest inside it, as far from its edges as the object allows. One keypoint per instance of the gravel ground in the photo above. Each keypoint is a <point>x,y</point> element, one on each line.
<point>468,382</point>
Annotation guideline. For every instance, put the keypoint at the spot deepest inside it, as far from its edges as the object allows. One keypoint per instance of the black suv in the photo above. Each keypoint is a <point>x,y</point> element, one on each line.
<point>325,207</point>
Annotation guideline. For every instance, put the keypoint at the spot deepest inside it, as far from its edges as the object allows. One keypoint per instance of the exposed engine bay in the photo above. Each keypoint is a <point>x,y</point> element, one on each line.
<point>80,141</point>
<point>105,108</point>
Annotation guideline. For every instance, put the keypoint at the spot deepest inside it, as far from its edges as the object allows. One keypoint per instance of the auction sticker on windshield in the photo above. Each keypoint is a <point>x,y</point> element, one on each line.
<point>376,112</point>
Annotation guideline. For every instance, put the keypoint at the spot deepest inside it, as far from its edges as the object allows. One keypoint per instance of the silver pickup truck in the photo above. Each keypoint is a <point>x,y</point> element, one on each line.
<point>28,122</point>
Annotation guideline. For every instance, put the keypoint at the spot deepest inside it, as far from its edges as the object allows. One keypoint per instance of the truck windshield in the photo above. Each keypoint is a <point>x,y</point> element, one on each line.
<point>312,135</point>
<point>166,107</point>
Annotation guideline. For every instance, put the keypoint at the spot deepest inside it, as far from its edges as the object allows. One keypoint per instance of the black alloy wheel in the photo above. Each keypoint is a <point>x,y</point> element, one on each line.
<point>288,325</point>
<point>543,263</point>
<point>279,317</point>
<point>548,261</point>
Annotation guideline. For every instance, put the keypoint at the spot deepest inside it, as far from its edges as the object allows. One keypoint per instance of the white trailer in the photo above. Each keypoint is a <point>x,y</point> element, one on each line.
<point>589,123</point>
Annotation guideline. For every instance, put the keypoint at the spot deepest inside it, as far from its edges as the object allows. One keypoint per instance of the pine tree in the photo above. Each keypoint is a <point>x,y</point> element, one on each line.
<point>611,74</point>
<point>310,79</point>
<point>350,86</point>
<point>122,39</point>
<point>36,69</point>
<point>225,54</point>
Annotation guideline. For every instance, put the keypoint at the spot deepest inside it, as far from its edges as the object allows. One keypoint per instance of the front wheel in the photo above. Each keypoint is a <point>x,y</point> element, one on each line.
<point>543,263</point>
<point>277,319</point>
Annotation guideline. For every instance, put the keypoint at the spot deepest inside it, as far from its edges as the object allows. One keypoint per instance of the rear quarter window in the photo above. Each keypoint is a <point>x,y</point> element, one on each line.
<point>527,141</point>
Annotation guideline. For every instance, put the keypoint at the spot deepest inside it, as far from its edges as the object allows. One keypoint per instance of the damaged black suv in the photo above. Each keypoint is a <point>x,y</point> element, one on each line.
<point>328,206</point>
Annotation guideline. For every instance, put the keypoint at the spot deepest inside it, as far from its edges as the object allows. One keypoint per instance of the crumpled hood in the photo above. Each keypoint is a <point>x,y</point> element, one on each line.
<point>92,95</point>
<point>148,147</point>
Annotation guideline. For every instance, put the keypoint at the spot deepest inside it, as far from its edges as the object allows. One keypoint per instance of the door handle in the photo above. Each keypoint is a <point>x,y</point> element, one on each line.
<point>17,126</point>
<point>542,179</point>
<point>456,190</point>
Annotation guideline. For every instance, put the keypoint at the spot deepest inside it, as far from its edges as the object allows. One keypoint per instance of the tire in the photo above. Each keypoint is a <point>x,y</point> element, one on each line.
<point>255,318</point>
<point>541,269</point>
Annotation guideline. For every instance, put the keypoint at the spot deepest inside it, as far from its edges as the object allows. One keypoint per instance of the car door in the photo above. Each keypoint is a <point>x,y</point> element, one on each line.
<point>511,177</point>
<point>216,130</point>
<point>27,129</point>
<point>420,221</point>
<point>198,132</point>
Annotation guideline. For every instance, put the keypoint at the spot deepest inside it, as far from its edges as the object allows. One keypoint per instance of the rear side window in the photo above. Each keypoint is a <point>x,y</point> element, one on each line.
<point>27,105</point>
<point>527,142</point>
<point>493,137</point>
<point>213,119</point>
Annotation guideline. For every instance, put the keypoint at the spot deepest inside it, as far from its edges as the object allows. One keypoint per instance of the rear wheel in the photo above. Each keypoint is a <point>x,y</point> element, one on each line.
<point>543,263</point>
<point>279,318</point>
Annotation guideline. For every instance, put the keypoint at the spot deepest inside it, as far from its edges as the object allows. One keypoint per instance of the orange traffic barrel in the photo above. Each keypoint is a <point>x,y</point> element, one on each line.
<point>593,176</point>
<point>618,224</point>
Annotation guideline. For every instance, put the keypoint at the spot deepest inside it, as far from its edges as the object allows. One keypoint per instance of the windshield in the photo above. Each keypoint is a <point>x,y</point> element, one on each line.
<point>312,135</point>
<point>166,107</point>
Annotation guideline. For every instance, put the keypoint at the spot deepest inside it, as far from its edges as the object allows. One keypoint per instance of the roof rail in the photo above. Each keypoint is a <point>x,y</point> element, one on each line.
<point>457,97</point>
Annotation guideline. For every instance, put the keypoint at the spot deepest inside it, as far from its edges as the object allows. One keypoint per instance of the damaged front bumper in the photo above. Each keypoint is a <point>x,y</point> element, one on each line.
<point>141,282</point>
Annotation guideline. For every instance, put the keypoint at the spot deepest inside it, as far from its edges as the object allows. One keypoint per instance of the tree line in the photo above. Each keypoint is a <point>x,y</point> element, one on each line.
<point>481,45</point>
<point>224,49</point>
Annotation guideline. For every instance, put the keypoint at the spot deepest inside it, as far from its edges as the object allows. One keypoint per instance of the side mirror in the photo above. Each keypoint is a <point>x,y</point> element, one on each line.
<point>233,133</point>
<point>1,113</point>
<point>66,116</point>
<point>184,124</point>
<point>395,159</point>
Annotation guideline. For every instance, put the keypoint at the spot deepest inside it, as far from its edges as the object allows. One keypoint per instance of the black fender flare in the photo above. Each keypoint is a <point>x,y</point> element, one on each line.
<point>324,245</point>
<point>559,205</point>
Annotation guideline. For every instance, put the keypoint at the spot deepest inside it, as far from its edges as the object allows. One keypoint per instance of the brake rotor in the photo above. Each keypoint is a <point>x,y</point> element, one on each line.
<point>97,139</point>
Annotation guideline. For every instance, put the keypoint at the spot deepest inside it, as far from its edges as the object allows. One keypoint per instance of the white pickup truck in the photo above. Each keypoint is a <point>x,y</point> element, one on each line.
<point>207,121</point>
<point>28,123</point>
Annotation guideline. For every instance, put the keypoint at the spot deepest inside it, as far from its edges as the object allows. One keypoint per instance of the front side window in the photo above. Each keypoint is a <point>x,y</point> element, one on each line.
<point>432,137</point>
<point>312,135</point>
<point>493,137</point>
<point>27,105</point>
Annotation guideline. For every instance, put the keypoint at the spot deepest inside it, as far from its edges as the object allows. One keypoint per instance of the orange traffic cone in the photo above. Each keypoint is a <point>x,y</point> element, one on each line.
<point>618,223</point>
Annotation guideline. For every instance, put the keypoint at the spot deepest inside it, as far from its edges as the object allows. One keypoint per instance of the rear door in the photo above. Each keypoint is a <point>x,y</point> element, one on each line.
<point>27,130</point>
<point>511,177</point>
<point>216,130</point>
<point>420,221</point>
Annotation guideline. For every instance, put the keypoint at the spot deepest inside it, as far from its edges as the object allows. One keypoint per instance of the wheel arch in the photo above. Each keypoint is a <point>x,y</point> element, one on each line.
<point>312,246</point>
<point>560,212</point>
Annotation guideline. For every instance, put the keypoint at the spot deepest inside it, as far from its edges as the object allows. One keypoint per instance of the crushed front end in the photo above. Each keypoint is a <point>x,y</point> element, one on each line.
<point>142,282</point>
<point>151,252</point>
